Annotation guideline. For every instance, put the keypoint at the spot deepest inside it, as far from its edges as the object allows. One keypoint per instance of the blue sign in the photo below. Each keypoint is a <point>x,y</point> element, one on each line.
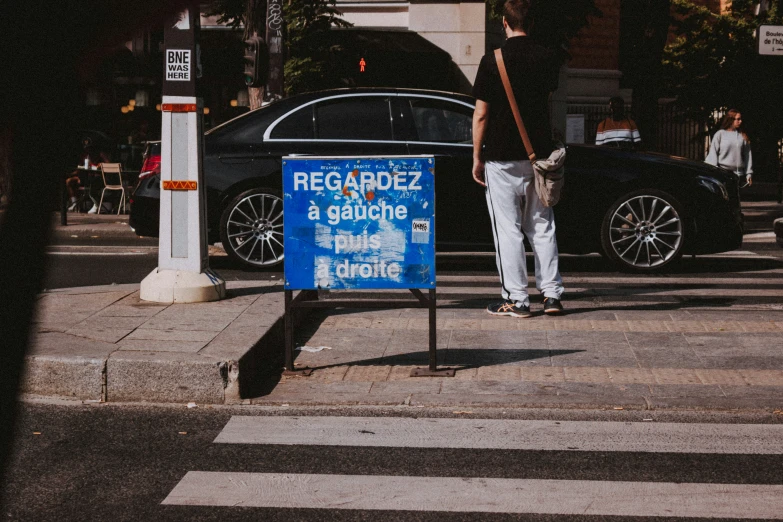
<point>359,222</point>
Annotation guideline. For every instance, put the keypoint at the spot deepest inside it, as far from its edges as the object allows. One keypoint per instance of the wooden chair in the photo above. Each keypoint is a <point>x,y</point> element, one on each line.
<point>112,180</point>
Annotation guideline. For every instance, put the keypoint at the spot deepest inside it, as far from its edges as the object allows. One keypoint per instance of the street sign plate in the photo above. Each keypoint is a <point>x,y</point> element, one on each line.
<point>770,39</point>
<point>359,222</point>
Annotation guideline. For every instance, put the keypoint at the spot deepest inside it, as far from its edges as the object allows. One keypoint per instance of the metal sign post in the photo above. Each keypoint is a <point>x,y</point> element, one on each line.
<point>360,223</point>
<point>183,274</point>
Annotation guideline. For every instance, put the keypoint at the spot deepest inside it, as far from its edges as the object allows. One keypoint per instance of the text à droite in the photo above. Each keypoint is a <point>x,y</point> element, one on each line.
<point>364,270</point>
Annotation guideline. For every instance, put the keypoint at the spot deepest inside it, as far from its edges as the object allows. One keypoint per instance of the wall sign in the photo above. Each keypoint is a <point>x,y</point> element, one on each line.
<point>575,128</point>
<point>770,39</point>
<point>177,65</point>
<point>359,222</point>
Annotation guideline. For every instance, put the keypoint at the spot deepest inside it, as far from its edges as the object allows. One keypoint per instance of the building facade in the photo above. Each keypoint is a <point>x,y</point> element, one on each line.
<point>394,36</point>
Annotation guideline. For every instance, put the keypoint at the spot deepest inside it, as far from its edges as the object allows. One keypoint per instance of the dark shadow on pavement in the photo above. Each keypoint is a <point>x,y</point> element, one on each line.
<point>457,358</point>
<point>252,290</point>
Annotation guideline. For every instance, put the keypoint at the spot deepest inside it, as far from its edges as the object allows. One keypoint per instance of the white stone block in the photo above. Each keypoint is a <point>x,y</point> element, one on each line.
<point>471,49</point>
<point>472,17</point>
<point>179,286</point>
<point>435,18</point>
<point>377,17</point>
<point>449,42</point>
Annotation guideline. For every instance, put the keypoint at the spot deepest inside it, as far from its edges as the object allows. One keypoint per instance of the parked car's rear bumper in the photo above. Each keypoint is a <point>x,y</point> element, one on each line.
<point>145,216</point>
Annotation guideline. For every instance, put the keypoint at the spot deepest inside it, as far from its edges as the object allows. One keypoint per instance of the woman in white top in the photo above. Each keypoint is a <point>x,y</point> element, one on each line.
<point>730,147</point>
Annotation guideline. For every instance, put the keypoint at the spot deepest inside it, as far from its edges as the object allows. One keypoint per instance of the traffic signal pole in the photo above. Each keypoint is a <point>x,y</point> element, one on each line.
<point>183,274</point>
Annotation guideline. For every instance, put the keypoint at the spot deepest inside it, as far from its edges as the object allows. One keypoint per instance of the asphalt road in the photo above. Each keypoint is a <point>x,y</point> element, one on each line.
<point>87,261</point>
<point>119,462</point>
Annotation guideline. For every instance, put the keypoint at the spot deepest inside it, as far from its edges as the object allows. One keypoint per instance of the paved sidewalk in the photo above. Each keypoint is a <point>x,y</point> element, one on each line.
<point>92,226</point>
<point>685,340</point>
<point>104,343</point>
<point>631,346</point>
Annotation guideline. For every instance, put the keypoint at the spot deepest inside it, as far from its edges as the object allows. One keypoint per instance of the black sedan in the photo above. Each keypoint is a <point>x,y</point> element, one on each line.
<point>641,210</point>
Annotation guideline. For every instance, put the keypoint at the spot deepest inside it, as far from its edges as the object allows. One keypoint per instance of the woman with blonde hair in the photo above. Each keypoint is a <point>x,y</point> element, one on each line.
<point>730,147</point>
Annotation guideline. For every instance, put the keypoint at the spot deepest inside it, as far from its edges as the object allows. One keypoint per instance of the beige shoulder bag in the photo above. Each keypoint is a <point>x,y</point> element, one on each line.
<point>549,172</point>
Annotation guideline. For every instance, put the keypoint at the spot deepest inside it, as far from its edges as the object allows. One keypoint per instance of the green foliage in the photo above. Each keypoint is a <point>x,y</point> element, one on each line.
<point>306,38</point>
<point>308,23</point>
<point>713,63</point>
<point>229,12</point>
<point>555,23</point>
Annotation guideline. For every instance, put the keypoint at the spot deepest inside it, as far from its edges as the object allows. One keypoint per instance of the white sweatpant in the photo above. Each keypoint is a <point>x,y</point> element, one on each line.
<point>517,212</point>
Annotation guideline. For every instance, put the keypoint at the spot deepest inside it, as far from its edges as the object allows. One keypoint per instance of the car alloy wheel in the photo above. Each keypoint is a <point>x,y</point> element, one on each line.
<point>251,228</point>
<point>643,231</point>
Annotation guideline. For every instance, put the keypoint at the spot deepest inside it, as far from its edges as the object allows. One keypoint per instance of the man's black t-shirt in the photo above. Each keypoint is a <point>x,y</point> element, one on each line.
<point>533,71</point>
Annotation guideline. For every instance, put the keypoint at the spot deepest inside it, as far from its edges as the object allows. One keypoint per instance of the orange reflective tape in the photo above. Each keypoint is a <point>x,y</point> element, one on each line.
<point>179,185</point>
<point>179,107</point>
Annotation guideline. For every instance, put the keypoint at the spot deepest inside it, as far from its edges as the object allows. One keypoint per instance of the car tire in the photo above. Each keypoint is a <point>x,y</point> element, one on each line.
<point>251,228</point>
<point>643,231</point>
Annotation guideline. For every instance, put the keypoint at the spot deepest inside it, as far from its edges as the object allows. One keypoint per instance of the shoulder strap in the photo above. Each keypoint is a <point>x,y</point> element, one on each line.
<point>514,108</point>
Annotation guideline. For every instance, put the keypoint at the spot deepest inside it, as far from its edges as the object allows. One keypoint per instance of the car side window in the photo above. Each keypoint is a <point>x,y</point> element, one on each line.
<point>354,118</point>
<point>297,126</point>
<point>441,121</point>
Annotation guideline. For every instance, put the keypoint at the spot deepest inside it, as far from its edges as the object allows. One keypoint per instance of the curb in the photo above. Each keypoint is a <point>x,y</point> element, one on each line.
<point>82,231</point>
<point>63,364</point>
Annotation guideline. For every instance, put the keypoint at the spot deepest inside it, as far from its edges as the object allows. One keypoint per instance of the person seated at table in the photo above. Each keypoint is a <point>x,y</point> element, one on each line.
<point>618,130</point>
<point>142,133</point>
<point>92,156</point>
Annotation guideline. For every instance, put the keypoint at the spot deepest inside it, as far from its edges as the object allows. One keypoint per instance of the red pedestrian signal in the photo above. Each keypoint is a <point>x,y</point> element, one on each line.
<point>362,64</point>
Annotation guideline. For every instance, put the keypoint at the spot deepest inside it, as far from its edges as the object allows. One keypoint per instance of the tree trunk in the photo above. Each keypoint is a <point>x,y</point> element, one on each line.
<point>652,33</point>
<point>255,96</point>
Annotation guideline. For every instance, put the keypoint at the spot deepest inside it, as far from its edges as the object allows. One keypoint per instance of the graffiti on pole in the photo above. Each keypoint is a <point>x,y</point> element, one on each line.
<point>274,40</point>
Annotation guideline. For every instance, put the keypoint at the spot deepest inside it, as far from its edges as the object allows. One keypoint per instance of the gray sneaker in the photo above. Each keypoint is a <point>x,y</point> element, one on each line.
<point>552,306</point>
<point>508,307</point>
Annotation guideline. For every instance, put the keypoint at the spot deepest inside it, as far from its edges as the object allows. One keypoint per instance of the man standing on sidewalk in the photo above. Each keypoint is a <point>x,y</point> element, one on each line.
<point>500,163</point>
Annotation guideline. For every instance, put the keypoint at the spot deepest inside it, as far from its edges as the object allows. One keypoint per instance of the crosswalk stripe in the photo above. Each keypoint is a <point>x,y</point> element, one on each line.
<point>506,434</point>
<point>484,495</point>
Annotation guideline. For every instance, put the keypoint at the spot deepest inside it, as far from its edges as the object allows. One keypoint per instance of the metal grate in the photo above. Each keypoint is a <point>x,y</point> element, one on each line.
<point>678,135</point>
